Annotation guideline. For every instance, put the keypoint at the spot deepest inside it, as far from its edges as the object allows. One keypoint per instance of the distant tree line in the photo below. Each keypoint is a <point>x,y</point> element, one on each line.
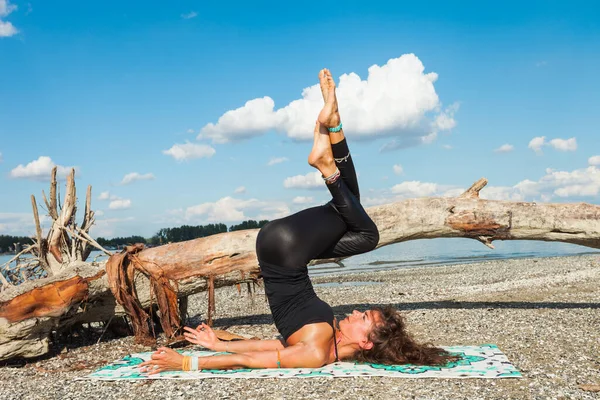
<point>7,242</point>
<point>120,241</point>
<point>180,234</point>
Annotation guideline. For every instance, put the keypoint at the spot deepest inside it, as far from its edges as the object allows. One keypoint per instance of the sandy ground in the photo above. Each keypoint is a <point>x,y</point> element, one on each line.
<point>543,313</point>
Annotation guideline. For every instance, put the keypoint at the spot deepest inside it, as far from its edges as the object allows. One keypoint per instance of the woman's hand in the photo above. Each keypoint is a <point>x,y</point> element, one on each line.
<point>203,335</point>
<point>163,359</point>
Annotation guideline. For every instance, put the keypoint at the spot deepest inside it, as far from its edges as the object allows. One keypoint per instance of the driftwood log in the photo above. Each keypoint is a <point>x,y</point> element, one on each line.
<point>88,292</point>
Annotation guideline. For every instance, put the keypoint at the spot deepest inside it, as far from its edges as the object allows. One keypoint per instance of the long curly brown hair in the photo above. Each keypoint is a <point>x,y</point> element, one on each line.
<point>392,344</point>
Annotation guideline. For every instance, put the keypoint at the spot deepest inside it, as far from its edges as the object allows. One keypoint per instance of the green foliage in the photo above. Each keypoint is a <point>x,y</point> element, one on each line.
<point>120,241</point>
<point>186,232</point>
<point>250,224</point>
<point>163,236</point>
<point>7,242</point>
<point>180,234</point>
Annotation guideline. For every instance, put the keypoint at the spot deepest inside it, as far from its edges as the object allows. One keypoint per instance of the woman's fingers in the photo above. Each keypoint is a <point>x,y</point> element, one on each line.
<point>151,366</point>
<point>165,350</point>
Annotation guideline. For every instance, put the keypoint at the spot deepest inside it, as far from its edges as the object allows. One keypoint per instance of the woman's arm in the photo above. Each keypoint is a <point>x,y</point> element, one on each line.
<point>204,336</point>
<point>297,356</point>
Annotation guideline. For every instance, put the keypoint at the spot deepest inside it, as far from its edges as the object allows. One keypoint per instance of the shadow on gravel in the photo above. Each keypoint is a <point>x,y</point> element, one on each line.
<point>423,305</point>
<point>79,337</point>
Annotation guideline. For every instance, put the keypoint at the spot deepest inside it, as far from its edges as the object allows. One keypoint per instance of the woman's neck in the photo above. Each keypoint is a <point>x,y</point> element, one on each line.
<point>345,348</point>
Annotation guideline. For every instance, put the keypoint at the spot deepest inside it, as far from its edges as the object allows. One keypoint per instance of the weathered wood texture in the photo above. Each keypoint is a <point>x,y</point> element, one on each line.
<point>82,294</point>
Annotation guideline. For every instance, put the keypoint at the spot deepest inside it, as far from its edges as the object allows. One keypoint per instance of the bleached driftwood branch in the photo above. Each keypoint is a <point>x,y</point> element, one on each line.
<point>28,313</point>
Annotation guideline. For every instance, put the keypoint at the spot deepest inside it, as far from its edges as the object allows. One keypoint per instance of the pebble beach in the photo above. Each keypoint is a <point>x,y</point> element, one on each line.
<point>543,313</point>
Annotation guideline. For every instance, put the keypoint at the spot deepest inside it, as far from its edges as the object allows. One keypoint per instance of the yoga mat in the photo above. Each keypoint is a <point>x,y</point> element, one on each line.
<point>485,361</point>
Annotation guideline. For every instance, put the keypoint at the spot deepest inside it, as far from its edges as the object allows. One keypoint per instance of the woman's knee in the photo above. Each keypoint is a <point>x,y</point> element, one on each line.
<point>371,237</point>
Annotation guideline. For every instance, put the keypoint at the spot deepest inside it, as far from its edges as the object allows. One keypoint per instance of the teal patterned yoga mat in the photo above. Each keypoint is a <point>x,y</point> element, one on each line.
<point>485,361</point>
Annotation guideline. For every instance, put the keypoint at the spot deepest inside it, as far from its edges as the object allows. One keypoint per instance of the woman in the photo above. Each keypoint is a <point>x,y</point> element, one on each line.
<point>284,248</point>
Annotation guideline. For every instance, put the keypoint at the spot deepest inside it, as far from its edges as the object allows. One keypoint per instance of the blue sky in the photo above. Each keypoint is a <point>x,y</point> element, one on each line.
<point>190,113</point>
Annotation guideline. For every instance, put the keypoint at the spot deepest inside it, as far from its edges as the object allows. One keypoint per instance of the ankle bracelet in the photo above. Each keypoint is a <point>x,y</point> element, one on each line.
<point>335,129</point>
<point>343,159</point>
<point>333,177</point>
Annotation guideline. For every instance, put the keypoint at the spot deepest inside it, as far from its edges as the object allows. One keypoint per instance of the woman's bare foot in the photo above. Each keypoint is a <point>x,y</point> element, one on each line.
<point>323,84</point>
<point>321,156</point>
<point>329,115</point>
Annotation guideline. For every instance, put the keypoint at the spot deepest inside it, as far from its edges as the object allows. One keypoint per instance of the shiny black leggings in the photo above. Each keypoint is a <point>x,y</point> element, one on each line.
<point>285,246</point>
<point>339,228</point>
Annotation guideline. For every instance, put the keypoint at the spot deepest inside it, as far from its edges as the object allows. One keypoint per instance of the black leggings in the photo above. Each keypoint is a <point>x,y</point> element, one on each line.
<point>285,246</point>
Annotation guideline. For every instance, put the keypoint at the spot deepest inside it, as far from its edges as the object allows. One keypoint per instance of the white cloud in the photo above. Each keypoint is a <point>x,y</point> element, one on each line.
<point>134,176</point>
<point>120,204</point>
<point>444,191</point>
<point>312,180</point>
<point>376,201</point>
<point>303,200</point>
<point>110,227</point>
<point>447,147</point>
<point>397,99</point>
<point>6,28</point>
<point>190,131</point>
<point>98,213</point>
<point>229,209</point>
<point>398,170</point>
<point>528,188</point>
<point>1,159</point>
<point>580,182</point>
<point>189,151</point>
<point>564,145</point>
<point>415,189</point>
<point>241,189</point>
<point>39,170</point>
<point>104,196</point>
<point>584,182</point>
<point>276,160</point>
<point>536,144</point>
<point>21,224</point>
<point>559,144</point>
<point>505,148</point>
<point>594,160</point>
<point>6,8</point>
<point>445,121</point>
<point>190,15</point>
<point>501,193</point>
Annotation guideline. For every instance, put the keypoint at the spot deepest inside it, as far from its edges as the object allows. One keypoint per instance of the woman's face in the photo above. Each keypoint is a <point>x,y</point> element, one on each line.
<point>358,325</point>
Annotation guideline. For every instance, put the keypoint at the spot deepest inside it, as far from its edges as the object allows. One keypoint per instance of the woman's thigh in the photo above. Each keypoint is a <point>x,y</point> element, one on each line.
<point>293,241</point>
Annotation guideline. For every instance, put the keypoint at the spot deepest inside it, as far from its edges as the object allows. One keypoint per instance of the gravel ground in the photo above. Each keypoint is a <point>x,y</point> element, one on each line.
<point>543,313</point>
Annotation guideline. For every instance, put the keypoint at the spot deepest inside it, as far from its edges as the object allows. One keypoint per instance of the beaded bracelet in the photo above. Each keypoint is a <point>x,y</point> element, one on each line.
<point>333,177</point>
<point>278,359</point>
<point>335,129</point>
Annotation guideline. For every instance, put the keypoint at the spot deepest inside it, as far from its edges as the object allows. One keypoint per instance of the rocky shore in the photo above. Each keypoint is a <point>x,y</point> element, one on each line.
<point>544,313</point>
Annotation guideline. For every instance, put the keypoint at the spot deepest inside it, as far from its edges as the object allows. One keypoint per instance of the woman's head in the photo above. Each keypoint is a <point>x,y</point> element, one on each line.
<point>385,340</point>
<point>358,326</point>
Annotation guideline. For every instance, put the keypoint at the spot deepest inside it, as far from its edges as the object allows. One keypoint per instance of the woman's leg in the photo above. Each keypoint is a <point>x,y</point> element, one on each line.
<point>339,146</point>
<point>284,247</point>
<point>362,234</point>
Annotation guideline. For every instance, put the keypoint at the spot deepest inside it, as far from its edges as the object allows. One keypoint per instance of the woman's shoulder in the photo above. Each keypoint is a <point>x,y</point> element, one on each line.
<point>314,338</point>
